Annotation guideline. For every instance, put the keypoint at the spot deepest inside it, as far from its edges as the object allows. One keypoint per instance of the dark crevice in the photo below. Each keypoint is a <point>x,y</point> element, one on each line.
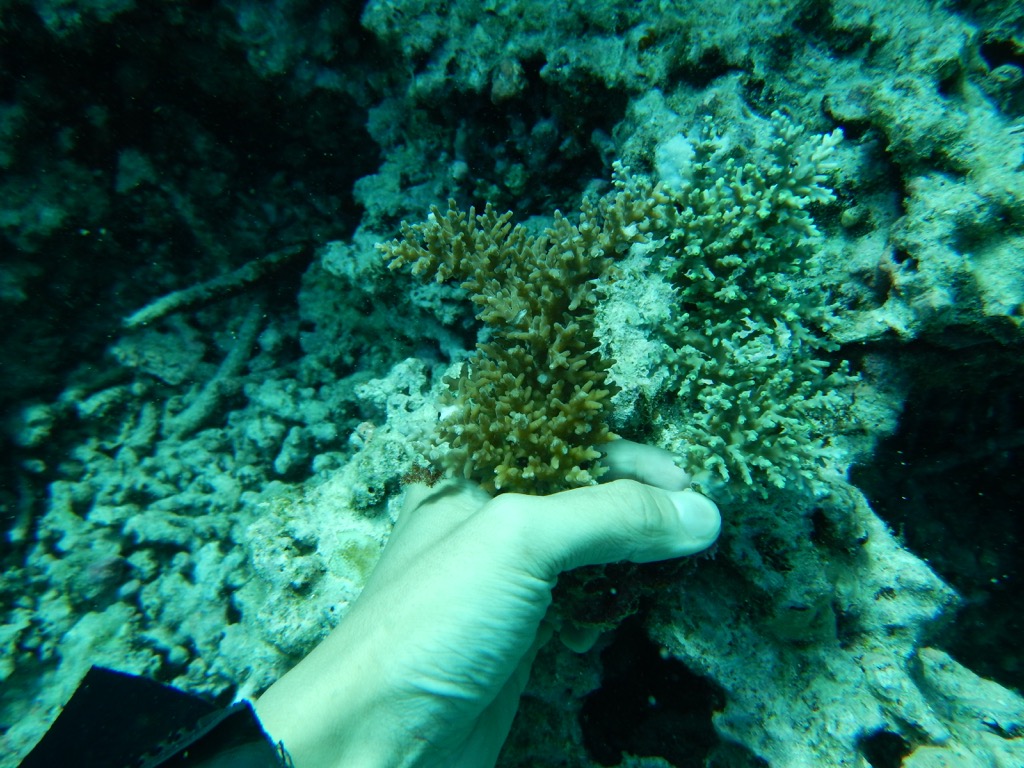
<point>997,52</point>
<point>884,749</point>
<point>710,66</point>
<point>648,705</point>
<point>950,482</point>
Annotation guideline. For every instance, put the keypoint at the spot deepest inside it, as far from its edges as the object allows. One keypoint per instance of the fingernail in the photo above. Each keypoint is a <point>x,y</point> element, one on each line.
<point>699,515</point>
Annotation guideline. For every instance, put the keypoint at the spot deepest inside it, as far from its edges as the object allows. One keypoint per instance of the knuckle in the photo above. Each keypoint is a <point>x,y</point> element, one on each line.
<point>647,516</point>
<point>506,517</point>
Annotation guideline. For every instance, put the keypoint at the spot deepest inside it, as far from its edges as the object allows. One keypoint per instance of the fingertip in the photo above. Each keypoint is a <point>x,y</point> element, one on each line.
<point>579,639</point>
<point>646,463</point>
<point>663,472</point>
<point>699,517</point>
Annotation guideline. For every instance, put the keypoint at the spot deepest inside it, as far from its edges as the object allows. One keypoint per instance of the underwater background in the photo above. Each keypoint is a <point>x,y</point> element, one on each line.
<point>790,250</point>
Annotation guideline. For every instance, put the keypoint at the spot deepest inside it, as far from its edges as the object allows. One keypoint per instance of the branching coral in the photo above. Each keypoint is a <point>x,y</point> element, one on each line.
<point>531,403</point>
<point>756,395</point>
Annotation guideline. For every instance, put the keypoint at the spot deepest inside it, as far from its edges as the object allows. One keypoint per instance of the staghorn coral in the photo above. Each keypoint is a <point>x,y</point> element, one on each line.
<point>745,346</point>
<point>756,396</point>
<point>531,402</point>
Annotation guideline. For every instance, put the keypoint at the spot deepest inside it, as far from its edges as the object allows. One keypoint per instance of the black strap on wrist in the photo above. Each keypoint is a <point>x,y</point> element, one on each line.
<point>115,720</point>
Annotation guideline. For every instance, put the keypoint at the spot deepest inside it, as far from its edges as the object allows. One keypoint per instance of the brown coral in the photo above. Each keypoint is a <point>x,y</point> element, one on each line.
<point>530,404</point>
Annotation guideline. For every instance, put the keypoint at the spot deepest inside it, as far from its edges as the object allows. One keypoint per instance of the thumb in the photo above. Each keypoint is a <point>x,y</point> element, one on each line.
<point>622,520</point>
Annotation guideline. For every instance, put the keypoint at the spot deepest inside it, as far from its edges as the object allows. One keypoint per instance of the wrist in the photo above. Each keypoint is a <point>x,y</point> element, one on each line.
<point>330,710</point>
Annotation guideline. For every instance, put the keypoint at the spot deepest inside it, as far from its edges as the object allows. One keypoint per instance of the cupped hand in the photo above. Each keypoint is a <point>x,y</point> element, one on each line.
<point>427,667</point>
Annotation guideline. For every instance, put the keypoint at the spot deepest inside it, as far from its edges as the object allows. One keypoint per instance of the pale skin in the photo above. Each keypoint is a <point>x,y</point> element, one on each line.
<point>427,667</point>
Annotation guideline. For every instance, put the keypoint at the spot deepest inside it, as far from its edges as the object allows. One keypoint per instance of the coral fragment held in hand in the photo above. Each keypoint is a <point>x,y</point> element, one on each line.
<point>531,403</point>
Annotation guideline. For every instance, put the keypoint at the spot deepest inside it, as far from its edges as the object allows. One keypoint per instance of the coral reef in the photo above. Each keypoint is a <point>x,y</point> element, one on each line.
<point>829,334</point>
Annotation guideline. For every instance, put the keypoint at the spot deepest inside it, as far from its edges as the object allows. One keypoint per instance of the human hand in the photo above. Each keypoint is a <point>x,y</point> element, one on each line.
<point>427,667</point>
